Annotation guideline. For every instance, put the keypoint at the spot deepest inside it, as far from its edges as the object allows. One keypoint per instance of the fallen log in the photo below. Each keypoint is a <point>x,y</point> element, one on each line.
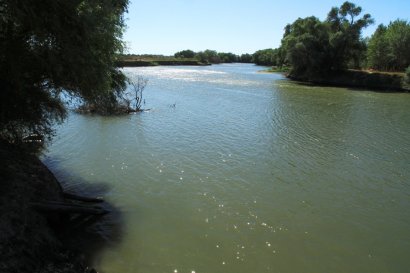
<point>74,204</point>
<point>82,198</point>
<point>61,207</point>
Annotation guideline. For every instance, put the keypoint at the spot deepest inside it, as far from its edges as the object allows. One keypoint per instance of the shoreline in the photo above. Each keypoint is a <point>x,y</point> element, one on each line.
<point>377,81</point>
<point>32,241</point>
<point>356,79</point>
<point>148,63</point>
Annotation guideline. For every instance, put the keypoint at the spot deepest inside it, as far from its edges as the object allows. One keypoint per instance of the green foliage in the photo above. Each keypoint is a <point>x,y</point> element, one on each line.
<point>264,57</point>
<point>54,45</point>
<point>389,47</point>
<point>346,44</point>
<point>208,56</point>
<point>185,57</point>
<point>228,57</point>
<point>270,57</point>
<point>245,58</point>
<point>276,69</point>
<point>185,54</point>
<point>214,57</point>
<point>407,79</point>
<point>306,43</point>
<point>313,47</point>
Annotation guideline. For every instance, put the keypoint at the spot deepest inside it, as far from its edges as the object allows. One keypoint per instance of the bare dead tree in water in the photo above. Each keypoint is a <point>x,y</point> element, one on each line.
<point>138,86</point>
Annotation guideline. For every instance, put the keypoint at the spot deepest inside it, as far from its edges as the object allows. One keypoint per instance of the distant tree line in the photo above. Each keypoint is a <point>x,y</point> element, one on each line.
<point>269,57</point>
<point>312,47</point>
<point>214,57</point>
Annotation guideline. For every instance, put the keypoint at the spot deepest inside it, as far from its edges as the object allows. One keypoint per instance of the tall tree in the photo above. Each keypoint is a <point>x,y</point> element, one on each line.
<point>53,45</point>
<point>306,43</point>
<point>345,35</point>
<point>389,47</point>
<point>314,47</point>
<point>246,58</point>
<point>268,57</point>
<point>377,51</point>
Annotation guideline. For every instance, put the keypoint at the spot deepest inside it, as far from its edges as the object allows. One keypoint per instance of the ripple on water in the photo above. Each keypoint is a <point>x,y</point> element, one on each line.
<point>247,173</point>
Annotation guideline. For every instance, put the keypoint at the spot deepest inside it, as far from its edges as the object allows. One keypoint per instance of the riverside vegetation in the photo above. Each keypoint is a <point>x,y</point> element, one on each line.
<point>330,52</point>
<point>48,48</point>
<point>184,57</point>
<point>334,52</point>
<point>56,47</point>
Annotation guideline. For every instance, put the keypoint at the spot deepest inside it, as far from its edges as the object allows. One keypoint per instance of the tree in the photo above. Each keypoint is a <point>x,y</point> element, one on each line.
<point>313,47</point>
<point>51,46</point>
<point>306,43</point>
<point>389,47</point>
<point>185,54</point>
<point>245,58</point>
<point>264,57</point>
<point>272,57</point>
<point>228,57</point>
<point>377,51</point>
<point>345,35</point>
<point>208,56</point>
<point>407,79</point>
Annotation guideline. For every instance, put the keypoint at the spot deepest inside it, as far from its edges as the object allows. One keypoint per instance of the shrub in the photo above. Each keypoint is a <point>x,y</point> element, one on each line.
<point>407,77</point>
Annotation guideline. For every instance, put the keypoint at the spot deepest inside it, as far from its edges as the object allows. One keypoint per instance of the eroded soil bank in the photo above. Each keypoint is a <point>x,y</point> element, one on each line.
<point>30,241</point>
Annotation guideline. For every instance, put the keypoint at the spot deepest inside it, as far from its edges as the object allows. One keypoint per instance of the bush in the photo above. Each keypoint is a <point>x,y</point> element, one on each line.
<point>407,78</point>
<point>54,45</point>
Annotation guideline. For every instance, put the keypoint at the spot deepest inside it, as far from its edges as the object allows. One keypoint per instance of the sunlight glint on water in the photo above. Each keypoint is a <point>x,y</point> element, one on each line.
<point>247,173</point>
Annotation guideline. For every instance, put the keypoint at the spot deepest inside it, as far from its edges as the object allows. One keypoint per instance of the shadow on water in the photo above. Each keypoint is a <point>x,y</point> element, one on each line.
<point>87,234</point>
<point>348,87</point>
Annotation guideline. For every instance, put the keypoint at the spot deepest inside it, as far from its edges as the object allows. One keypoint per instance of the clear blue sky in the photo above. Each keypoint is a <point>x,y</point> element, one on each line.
<point>238,26</point>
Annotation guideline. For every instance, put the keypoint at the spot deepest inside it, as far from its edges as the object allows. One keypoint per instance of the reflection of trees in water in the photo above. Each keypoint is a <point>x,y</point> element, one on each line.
<point>311,127</point>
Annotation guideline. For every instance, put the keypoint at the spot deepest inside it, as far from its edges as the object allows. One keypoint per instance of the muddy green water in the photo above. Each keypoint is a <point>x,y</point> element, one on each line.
<point>247,172</point>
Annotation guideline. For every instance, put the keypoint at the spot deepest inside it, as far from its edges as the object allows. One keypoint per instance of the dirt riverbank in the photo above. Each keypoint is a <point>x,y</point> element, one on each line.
<point>30,240</point>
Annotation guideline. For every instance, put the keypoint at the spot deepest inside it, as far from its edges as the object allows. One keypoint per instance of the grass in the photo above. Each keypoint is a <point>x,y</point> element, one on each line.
<point>276,69</point>
<point>371,71</point>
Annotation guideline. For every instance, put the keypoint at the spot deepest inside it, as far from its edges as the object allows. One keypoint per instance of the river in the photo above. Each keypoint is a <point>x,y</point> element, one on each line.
<point>233,170</point>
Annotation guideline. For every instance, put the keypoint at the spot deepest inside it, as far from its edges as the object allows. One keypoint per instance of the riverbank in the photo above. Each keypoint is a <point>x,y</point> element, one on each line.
<point>373,80</point>
<point>30,241</point>
<point>140,61</point>
<point>275,69</point>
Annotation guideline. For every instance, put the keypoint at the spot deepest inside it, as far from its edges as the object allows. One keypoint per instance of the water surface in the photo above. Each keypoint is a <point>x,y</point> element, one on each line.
<point>238,171</point>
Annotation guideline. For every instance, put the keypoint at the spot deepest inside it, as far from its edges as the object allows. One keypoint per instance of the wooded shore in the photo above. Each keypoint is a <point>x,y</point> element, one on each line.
<point>369,80</point>
<point>360,79</point>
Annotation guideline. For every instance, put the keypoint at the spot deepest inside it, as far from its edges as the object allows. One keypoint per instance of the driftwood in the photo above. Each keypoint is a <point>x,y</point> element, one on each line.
<point>138,110</point>
<point>82,198</point>
<point>65,207</point>
<point>73,204</point>
<point>76,206</point>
